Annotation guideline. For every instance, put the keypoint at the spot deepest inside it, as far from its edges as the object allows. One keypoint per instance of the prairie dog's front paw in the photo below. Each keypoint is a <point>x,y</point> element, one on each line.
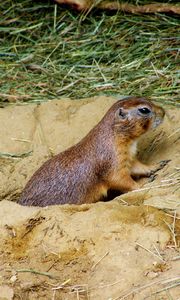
<point>140,169</point>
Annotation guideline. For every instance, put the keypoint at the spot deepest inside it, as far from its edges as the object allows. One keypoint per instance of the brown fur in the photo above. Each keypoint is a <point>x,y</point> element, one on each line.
<point>103,160</point>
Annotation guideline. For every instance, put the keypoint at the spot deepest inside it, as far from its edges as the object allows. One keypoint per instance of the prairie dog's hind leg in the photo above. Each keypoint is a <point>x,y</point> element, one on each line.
<point>123,183</point>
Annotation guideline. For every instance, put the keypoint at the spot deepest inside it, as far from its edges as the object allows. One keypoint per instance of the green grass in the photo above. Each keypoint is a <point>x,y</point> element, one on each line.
<point>48,52</point>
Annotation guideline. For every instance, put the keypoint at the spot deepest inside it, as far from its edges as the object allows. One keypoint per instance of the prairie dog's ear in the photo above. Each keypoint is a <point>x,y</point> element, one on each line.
<point>121,114</point>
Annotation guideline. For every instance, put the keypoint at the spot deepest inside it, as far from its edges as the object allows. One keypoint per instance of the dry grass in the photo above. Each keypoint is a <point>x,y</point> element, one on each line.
<point>48,52</point>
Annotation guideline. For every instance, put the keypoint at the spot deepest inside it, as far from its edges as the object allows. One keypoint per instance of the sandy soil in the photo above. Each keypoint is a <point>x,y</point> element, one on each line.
<point>127,248</point>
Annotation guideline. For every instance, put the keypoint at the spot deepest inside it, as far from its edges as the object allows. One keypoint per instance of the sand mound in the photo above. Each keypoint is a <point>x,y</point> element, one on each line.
<point>123,249</point>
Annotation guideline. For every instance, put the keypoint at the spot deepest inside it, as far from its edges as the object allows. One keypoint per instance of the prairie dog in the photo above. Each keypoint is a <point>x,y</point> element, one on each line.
<point>104,159</point>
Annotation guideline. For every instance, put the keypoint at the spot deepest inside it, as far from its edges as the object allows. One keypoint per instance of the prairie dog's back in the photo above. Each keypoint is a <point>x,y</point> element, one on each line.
<point>68,176</point>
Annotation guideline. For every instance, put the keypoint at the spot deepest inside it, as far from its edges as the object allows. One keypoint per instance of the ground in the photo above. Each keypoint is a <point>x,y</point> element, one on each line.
<point>127,248</point>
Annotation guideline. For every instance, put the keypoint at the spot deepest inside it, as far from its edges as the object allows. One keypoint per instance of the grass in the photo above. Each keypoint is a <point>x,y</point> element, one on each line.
<point>48,52</point>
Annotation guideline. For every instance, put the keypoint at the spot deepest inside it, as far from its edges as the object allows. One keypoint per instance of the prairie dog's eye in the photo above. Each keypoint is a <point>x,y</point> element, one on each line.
<point>144,110</point>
